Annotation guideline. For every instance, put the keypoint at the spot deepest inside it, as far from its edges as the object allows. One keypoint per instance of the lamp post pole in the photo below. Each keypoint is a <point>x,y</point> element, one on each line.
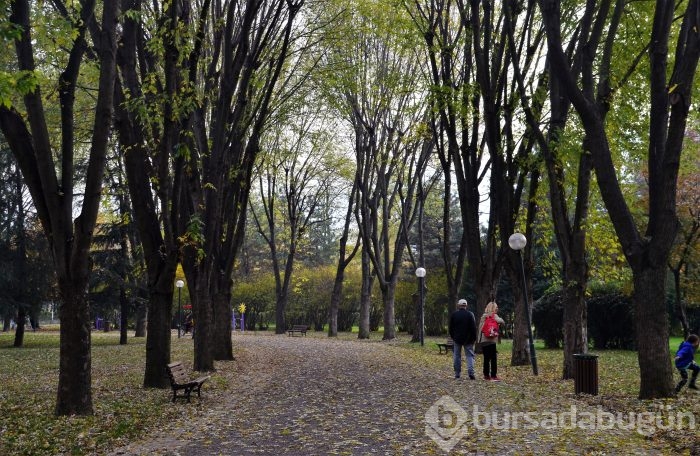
<point>517,241</point>
<point>179,284</point>
<point>420,273</point>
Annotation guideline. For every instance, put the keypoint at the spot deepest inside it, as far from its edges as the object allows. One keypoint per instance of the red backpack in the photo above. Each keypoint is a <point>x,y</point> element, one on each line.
<point>490,328</point>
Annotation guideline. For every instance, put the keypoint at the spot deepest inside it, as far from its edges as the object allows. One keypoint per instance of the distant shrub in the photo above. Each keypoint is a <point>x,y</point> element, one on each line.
<point>435,305</point>
<point>693,314</point>
<point>610,320</point>
<point>547,316</point>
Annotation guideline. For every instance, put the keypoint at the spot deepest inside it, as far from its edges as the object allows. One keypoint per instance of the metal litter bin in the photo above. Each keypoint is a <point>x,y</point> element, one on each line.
<point>586,373</point>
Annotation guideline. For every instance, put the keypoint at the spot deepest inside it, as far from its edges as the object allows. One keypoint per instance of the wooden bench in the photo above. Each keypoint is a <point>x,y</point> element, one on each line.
<point>179,380</point>
<point>300,329</point>
<point>448,345</point>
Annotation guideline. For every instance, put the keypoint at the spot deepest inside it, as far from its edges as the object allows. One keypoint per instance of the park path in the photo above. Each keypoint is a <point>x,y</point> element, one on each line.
<point>320,396</point>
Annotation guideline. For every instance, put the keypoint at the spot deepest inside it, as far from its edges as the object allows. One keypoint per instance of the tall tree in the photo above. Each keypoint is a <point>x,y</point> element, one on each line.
<point>454,127</point>
<point>294,177</point>
<point>344,259</point>
<point>508,148</point>
<point>249,44</point>
<point>391,150</point>
<point>150,119</point>
<point>474,113</point>
<point>51,175</point>
<point>569,227</point>
<point>646,251</point>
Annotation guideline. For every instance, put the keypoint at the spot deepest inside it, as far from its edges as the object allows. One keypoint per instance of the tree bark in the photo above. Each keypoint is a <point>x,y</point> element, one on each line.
<point>202,315</point>
<point>520,354</point>
<point>574,318</point>
<point>20,325</point>
<point>656,373</point>
<point>158,338</point>
<point>221,341</point>
<point>389,318</point>
<point>75,367</point>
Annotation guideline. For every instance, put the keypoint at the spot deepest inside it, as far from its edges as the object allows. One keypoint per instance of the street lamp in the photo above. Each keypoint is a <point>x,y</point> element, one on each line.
<point>179,284</point>
<point>420,273</point>
<point>517,241</point>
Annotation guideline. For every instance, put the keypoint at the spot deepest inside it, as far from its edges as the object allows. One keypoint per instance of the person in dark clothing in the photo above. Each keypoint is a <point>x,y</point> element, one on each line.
<point>462,330</point>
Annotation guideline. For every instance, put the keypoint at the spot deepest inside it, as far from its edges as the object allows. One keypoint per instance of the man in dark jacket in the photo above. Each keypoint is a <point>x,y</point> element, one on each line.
<point>462,330</point>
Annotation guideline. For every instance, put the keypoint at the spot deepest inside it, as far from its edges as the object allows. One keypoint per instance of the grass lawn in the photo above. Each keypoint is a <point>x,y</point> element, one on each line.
<point>124,410</point>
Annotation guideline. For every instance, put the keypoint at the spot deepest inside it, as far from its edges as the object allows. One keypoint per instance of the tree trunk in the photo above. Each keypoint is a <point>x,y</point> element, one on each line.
<point>221,342</point>
<point>203,327</point>
<point>336,297</point>
<point>415,300</point>
<point>281,305</point>
<point>158,341</point>
<point>365,297</point>
<point>656,373</point>
<point>123,316</point>
<point>20,327</point>
<point>389,320</point>
<point>575,323</point>
<point>74,379</point>
<point>141,315</point>
<point>680,306</point>
<point>485,293</point>
<point>520,354</point>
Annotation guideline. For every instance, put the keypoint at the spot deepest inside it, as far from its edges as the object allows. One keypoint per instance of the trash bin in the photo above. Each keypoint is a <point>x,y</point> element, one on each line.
<point>586,373</point>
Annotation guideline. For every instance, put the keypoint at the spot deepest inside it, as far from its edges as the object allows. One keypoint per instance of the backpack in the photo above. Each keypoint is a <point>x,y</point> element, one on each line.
<point>490,328</point>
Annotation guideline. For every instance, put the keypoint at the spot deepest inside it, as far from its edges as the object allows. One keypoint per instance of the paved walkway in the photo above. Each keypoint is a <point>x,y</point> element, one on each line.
<point>320,396</point>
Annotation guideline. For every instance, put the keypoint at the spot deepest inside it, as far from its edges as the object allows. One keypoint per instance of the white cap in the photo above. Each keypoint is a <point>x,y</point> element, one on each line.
<point>462,303</point>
